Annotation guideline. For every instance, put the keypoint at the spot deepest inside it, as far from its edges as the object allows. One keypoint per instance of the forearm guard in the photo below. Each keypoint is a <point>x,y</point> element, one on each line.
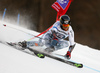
<point>71,48</point>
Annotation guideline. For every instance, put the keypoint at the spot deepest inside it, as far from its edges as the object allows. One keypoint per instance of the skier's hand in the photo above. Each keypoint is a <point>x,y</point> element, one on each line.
<point>68,55</point>
<point>54,33</point>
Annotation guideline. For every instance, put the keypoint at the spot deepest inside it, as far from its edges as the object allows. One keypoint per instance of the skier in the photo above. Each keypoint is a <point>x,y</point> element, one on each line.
<point>54,38</point>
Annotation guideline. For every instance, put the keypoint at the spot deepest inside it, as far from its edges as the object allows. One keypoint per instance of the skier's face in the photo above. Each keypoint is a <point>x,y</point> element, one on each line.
<point>65,27</point>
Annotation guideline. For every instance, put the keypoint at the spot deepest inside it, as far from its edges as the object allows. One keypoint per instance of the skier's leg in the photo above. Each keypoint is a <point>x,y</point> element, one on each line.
<point>52,45</point>
<point>44,41</point>
<point>32,43</point>
<point>35,43</point>
<point>26,44</point>
<point>47,41</point>
<point>62,44</point>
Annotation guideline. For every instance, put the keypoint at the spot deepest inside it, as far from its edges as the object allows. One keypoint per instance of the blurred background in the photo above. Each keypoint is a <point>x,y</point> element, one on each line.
<point>38,15</point>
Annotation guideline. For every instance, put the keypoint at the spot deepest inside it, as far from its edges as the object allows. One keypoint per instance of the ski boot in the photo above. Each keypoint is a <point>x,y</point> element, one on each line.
<point>40,55</point>
<point>23,44</point>
<point>50,49</point>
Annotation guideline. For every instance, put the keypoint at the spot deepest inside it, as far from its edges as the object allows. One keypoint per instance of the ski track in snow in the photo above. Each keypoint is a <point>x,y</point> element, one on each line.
<point>15,61</point>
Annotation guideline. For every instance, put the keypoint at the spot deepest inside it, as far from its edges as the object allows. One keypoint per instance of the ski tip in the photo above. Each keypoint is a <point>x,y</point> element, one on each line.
<point>79,65</point>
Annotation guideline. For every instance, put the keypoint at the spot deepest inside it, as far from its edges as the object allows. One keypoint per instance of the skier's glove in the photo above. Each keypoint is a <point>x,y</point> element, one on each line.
<point>68,55</point>
<point>54,33</point>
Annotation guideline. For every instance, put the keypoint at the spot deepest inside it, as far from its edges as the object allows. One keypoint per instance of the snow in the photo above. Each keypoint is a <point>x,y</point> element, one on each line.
<point>15,61</point>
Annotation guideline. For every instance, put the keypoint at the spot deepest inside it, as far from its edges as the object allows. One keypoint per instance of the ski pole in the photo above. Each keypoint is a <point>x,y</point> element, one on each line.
<point>17,29</point>
<point>27,33</point>
<point>4,14</point>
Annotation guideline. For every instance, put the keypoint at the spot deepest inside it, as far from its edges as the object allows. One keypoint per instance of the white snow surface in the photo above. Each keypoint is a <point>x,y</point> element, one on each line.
<point>15,61</point>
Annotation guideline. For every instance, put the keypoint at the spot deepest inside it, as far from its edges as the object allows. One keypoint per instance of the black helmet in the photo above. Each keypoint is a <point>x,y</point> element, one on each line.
<point>64,19</point>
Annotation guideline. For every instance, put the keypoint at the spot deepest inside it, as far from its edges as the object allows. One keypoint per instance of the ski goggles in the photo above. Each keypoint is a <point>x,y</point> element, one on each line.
<point>65,25</point>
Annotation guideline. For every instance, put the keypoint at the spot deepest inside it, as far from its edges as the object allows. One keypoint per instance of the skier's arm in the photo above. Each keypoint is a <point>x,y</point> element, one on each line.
<point>50,31</point>
<point>71,47</point>
<point>71,40</point>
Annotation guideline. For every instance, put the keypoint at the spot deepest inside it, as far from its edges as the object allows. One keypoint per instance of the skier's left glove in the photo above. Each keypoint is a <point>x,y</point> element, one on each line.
<point>68,55</point>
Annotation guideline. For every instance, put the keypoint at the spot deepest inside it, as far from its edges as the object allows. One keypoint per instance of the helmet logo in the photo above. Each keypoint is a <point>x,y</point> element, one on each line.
<point>66,22</point>
<point>62,1</point>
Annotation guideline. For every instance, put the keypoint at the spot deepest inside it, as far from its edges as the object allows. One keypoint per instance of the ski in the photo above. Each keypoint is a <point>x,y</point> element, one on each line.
<point>57,57</point>
<point>17,48</point>
<point>39,52</point>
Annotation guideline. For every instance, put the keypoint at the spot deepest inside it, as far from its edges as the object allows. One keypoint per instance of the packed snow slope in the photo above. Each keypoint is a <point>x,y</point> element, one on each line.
<point>15,61</point>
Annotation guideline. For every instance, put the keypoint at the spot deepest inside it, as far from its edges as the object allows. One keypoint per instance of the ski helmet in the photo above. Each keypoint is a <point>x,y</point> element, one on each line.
<point>64,20</point>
